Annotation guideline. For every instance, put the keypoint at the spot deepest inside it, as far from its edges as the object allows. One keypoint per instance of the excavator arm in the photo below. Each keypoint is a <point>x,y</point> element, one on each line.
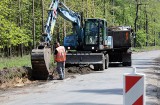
<point>58,8</point>
<point>40,57</point>
<point>51,20</point>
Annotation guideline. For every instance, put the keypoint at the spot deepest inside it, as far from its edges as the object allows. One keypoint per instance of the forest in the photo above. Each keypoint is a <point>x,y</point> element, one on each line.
<point>22,21</point>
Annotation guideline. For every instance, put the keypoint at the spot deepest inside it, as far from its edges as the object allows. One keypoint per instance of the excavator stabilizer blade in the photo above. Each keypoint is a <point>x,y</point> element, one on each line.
<point>84,58</point>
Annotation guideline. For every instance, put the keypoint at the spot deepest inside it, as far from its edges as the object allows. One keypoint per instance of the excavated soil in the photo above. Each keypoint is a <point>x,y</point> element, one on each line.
<point>18,77</point>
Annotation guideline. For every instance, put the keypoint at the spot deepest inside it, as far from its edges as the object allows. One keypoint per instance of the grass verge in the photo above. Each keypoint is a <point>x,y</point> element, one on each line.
<point>142,49</point>
<point>15,62</point>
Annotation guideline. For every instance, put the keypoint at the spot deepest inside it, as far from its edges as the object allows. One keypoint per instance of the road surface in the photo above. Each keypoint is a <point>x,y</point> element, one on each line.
<point>98,88</point>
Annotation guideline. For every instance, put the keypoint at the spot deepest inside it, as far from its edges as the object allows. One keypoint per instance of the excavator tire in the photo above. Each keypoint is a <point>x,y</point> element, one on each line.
<point>40,60</point>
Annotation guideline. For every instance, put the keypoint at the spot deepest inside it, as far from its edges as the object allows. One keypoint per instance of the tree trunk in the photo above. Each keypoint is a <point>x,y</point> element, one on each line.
<point>64,24</point>
<point>58,33</point>
<point>87,9</point>
<point>135,23</point>
<point>9,52</point>
<point>21,50</point>
<point>42,3</point>
<point>104,11</point>
<point>6,51</point>
<point>112,12</point>
<point>94,9</point>
<point>20,24</point>
<point>154,33</point>
<point>33,30</point>
<point>146,26</point>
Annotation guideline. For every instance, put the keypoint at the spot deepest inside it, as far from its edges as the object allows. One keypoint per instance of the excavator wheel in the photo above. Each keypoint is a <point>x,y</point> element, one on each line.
<point>40,59</point>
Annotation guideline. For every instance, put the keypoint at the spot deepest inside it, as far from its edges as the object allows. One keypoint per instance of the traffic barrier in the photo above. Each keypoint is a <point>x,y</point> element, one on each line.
<point>134,88</point>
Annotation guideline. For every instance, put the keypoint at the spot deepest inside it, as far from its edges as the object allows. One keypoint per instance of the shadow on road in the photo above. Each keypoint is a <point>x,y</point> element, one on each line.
<point>145,62</point>
<point>144,67</point>
<point>102,91</point>
<point>152,103</point>
<point>153,73</point>
<point>152,91</point>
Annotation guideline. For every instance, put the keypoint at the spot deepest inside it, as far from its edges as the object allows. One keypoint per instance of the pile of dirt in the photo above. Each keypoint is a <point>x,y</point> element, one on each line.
<point>77,70</point>
<point>13,77</point>
<point>10,77</point>
<point>71,71</point>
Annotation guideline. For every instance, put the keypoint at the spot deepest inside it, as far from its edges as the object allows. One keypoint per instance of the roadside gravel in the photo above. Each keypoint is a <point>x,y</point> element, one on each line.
<point>153,84</point>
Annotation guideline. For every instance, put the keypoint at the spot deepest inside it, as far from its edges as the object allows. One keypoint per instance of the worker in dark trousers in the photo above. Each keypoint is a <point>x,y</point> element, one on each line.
<point>60,58</point>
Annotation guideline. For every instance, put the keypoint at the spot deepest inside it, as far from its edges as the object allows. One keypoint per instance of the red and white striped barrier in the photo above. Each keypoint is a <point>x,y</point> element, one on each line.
<point>134,89</point>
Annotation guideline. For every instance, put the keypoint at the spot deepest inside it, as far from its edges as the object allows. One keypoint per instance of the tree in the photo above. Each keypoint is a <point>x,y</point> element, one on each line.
<point>16,20</point>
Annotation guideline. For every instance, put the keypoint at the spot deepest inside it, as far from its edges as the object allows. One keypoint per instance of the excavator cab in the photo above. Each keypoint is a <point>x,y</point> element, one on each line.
<point>95,35</point>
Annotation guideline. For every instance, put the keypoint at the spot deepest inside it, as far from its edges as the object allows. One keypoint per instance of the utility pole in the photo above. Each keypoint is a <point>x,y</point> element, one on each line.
<point>33,30</point>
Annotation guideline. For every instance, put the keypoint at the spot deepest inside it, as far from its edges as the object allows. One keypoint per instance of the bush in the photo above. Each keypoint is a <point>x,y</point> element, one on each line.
<point>141,38</point>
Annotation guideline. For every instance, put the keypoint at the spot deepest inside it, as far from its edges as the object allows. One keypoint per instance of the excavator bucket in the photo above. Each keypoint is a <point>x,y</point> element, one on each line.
<point>40,59</point>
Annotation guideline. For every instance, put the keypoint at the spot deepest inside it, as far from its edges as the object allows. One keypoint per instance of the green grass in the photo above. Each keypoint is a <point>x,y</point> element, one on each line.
<point>15,62</point>
<point>149,48</point>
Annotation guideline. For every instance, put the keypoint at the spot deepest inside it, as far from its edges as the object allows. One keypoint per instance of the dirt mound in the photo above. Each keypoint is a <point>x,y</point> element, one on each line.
<point>79,70</point>
<point>71,71</point>
<point>11,77</point>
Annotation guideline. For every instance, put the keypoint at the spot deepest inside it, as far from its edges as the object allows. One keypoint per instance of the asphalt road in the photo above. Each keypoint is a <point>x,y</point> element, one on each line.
<point>99,88</point>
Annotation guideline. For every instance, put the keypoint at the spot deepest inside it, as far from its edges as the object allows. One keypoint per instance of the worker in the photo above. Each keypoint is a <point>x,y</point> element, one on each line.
<point>60,58</point>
